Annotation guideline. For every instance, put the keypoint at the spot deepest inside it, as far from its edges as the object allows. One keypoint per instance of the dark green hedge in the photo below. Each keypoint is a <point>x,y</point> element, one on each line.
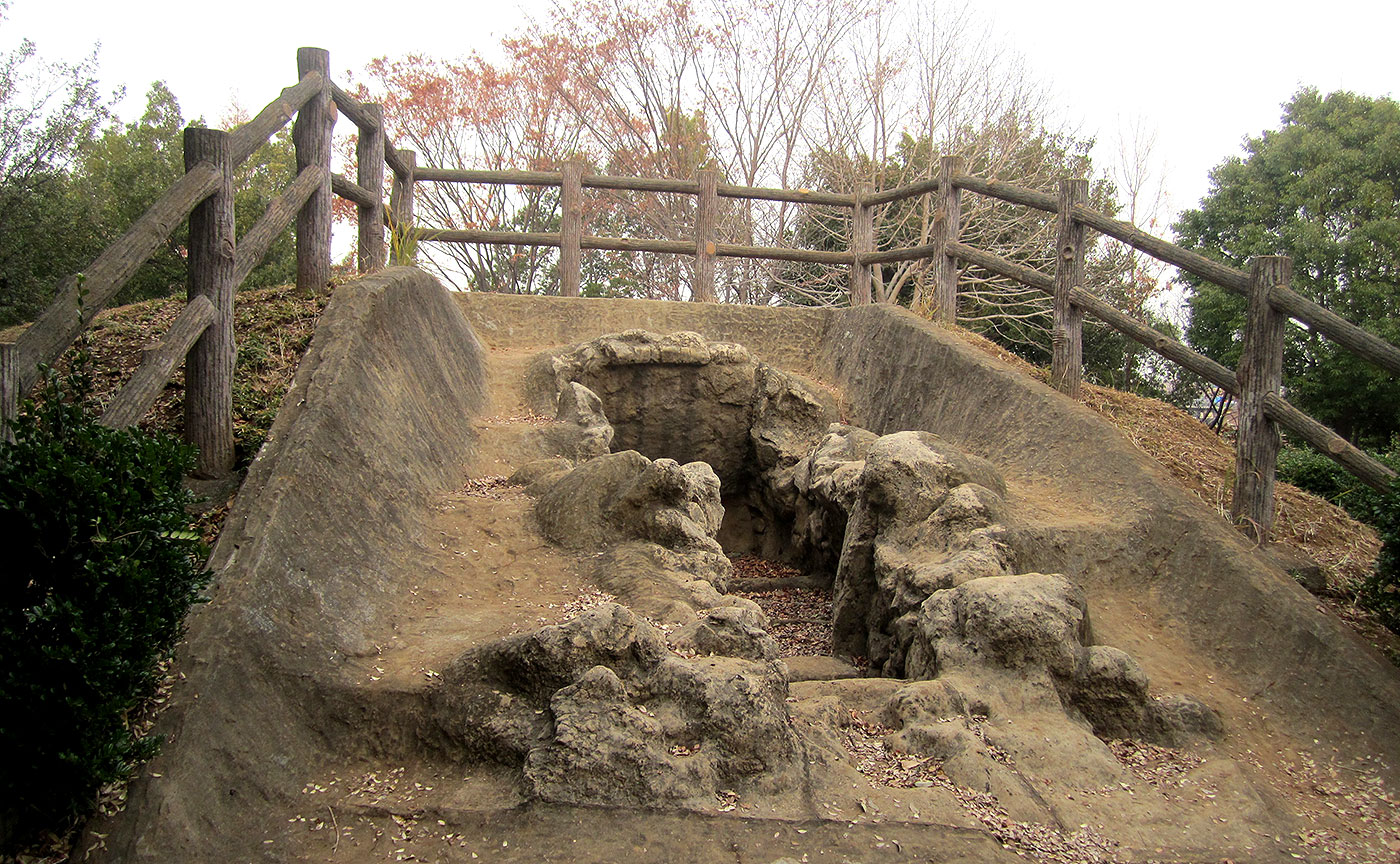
<point>100,568</point>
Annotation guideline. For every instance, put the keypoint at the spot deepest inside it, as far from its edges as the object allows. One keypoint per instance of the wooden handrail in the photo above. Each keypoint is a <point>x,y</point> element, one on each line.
<point>51,334</point>
<point>254,243</point>
<point>353,109</point>
<point>218,261</point>
<point>1368,470</point>
<point>632,244</point>
<point>900,193</point>
<point>632,184</point>
<point>1008,192</point>
<point>140,391</point>
<point>792,196</point>
<point>1335,327</point>
<point>396,162</point>
<point>246,139</point>
<point>352,191</point>
<point>1159,342</point>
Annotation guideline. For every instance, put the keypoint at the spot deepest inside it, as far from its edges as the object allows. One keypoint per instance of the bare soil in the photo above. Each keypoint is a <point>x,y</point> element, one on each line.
<point>1261,794</point>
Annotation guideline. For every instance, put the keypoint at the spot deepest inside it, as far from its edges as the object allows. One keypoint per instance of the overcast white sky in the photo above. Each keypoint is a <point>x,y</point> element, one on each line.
<point>1203,75</point>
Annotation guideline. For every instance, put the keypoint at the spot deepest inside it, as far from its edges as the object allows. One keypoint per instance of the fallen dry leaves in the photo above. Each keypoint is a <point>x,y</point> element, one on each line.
<point>799,619</point>
<point>867,744</point>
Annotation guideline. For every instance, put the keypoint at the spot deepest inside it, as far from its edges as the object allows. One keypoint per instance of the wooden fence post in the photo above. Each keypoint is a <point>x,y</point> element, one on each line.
<point>1260,373</point>
<point>401,192</point>
<point>570,228</point>
<point>947,221</point>
<point>1066,335</point>
<point>369,173</point>
<point>706,215</point>
<point>211,264</point>
<point>312,136</point>
<point>862,243</point>
<point>9,388</point>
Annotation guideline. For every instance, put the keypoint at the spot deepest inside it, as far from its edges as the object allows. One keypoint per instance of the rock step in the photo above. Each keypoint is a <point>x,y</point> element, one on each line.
<point>819,667</point>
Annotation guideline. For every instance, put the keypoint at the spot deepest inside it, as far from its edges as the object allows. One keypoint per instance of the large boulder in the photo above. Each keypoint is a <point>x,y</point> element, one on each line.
<point>677,737</point>
<point>922,516</point>
<point>626,496</point>
<point>789,419</point>
<point>599,711</point>
<point>1027,621</point>
<point>729,631</point>
<point>580,429</point>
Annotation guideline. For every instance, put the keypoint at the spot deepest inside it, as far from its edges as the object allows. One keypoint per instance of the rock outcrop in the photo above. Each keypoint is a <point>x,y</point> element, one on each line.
<point>599,711</point>
<point>1003,667</point>
<point>675,395</point>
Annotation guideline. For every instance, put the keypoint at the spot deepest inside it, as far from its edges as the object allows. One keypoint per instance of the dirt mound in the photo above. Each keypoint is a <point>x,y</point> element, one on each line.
<point>432,677</point>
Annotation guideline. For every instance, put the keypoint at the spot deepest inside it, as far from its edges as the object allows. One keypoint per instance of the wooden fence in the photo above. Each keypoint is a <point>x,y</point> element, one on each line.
<point>219,261</point>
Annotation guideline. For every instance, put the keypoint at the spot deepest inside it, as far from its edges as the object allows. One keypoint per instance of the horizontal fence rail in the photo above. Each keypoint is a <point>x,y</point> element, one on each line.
<point>201,335</point>
<point>1253,495</point>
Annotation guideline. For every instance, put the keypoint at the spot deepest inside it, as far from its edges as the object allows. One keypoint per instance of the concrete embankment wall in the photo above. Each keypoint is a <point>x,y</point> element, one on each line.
<point>322,535</point>
<point>1143,536</point>
<point>1123,526</point>
<point>379,422</point>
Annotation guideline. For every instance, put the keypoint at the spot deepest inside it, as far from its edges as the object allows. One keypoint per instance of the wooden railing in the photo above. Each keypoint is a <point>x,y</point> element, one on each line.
<point>219,261</point>
<point>1256,383</point>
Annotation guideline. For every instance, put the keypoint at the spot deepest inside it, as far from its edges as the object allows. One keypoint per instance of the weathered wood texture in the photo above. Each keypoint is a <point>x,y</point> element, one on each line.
<point>862,244</point>
<point>1368,470</point>
<point>1144,335</point>
<point>777,253</point>
<point>50,335</point>
<point>350,190</point>
<point>394,159</point>
<point>278,113</point>
<point>1286,300</point>
<point>1191,262</point>
<point>490,238</point>
<point>401,190</point>
<point>792,196</point>
<point>312,136</point>
<point>212,255</point>
<point>1336,328</point>
<point>369,176</point>
<point>1008,192</point>
<point>253,245</point>
<point>1260,373</point>
<point>1067,328</point>
<point>9,388</point>
<point>570,228</point>
<point>643,184</point>
<point>633,244</point>
<point>355,111</point>
<point>1001,267</point>
<point>1374,474</point>
<point>506,178</point>
<point>910,253</point>
<point>947,221</point>
<point>706,216</point>
<point>630,244</point>
<point>140,391</point>
<point>900,193</point>
<point>636,184</point>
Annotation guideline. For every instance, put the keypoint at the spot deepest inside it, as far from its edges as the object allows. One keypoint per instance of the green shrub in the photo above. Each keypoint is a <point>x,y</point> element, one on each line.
<point>1381,591</point>
<point>100,570</point>
<point>1311,471</point>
